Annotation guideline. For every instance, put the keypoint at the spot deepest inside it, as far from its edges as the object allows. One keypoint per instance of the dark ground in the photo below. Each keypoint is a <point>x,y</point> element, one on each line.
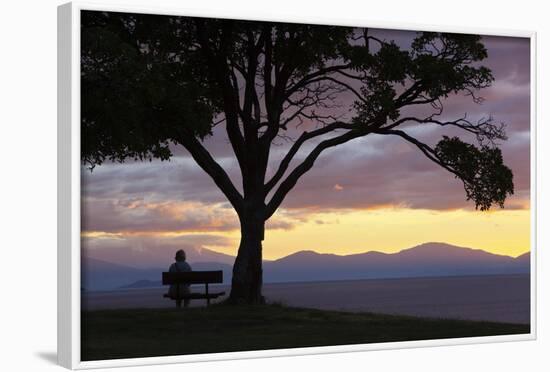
<point>492,298</point>
<point>135,333</point>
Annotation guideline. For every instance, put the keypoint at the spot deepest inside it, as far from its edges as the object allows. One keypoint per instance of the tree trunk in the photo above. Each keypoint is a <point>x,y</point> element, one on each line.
<point>246,285</point>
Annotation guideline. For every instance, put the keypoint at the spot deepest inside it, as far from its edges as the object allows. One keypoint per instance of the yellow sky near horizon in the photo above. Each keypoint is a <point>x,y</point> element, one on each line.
<point>390,230</point>
<point>348,231</point>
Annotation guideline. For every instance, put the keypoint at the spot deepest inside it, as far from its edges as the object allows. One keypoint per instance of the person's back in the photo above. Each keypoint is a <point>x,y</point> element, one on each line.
<point>180,266</point>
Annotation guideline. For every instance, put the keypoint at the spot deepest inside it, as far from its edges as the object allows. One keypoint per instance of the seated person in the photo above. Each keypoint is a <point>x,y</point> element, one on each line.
<point>178,267</point>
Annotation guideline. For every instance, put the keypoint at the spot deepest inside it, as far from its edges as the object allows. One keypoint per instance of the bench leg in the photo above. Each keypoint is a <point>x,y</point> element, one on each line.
<point>178,303</point>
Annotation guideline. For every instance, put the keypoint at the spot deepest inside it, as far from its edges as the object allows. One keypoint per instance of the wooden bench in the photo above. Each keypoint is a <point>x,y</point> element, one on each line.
<point>192,277</point>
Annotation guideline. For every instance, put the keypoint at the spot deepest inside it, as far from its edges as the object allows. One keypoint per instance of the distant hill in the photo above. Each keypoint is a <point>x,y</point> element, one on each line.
<point>100,275</point>
<point>524,258</point>
<point>430,259</point>
<point>103,275</point>
<point>204,255</point>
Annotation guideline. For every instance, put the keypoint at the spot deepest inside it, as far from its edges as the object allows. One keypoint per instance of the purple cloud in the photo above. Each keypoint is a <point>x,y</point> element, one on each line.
<point>370,172</point>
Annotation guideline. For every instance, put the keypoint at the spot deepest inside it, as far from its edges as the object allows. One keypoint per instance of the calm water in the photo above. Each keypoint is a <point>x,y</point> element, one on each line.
<point>501,298</point>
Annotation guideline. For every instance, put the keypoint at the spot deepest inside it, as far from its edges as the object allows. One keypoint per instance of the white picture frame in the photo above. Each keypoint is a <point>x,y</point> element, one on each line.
<point>69,191</point>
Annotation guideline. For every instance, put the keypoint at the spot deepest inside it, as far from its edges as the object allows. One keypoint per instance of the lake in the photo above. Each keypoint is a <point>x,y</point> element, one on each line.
<point>499,298</point>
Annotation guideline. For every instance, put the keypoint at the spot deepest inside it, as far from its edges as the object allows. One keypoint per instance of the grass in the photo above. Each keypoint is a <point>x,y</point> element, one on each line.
<point>135,333</point>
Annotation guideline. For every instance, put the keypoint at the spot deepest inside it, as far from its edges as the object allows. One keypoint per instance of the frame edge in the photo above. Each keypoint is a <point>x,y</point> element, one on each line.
<point>65,327</point>
<point>67,189</point>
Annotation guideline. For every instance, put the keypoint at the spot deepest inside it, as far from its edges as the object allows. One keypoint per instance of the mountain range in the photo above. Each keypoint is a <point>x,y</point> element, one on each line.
<point>429,259</point>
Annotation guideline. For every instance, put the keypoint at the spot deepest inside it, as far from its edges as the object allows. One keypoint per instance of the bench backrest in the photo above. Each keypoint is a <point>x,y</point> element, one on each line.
<point>192,277</point>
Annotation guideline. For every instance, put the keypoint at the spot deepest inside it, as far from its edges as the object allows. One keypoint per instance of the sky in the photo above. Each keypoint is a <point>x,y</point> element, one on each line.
<point>374,193</point>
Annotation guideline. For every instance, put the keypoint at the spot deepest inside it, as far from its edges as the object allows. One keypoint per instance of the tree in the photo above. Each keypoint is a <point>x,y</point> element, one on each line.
<point>150,83</point>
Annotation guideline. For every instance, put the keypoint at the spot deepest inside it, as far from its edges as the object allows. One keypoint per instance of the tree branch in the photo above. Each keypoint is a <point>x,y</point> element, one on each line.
<point>484,129</point>
<point>307,164</point>
<point>297,145</point>
<point>222,73</point>
<point>357,95</point>
<point>306,79</point>
<point>426,150</point>
<point>213,169</point>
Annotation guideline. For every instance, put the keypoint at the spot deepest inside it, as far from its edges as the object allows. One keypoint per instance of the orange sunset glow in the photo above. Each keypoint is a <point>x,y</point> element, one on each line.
<point>371,194</point>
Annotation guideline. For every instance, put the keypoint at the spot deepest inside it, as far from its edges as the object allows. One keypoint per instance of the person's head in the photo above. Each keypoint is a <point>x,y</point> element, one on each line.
<point>180,255</point>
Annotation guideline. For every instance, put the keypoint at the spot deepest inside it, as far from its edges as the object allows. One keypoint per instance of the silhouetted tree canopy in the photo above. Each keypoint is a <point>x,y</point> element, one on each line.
<point>151,82</point>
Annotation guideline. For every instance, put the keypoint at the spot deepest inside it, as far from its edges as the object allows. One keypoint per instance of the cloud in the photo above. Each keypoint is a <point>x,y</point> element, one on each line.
<point>371,172</point>
<point>380,171</point>
<point>142,251</point>
<point>137,215</point>
<point>130,217</point>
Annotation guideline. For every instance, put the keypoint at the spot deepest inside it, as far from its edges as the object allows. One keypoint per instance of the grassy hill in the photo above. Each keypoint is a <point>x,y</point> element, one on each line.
<point>113,334</point>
